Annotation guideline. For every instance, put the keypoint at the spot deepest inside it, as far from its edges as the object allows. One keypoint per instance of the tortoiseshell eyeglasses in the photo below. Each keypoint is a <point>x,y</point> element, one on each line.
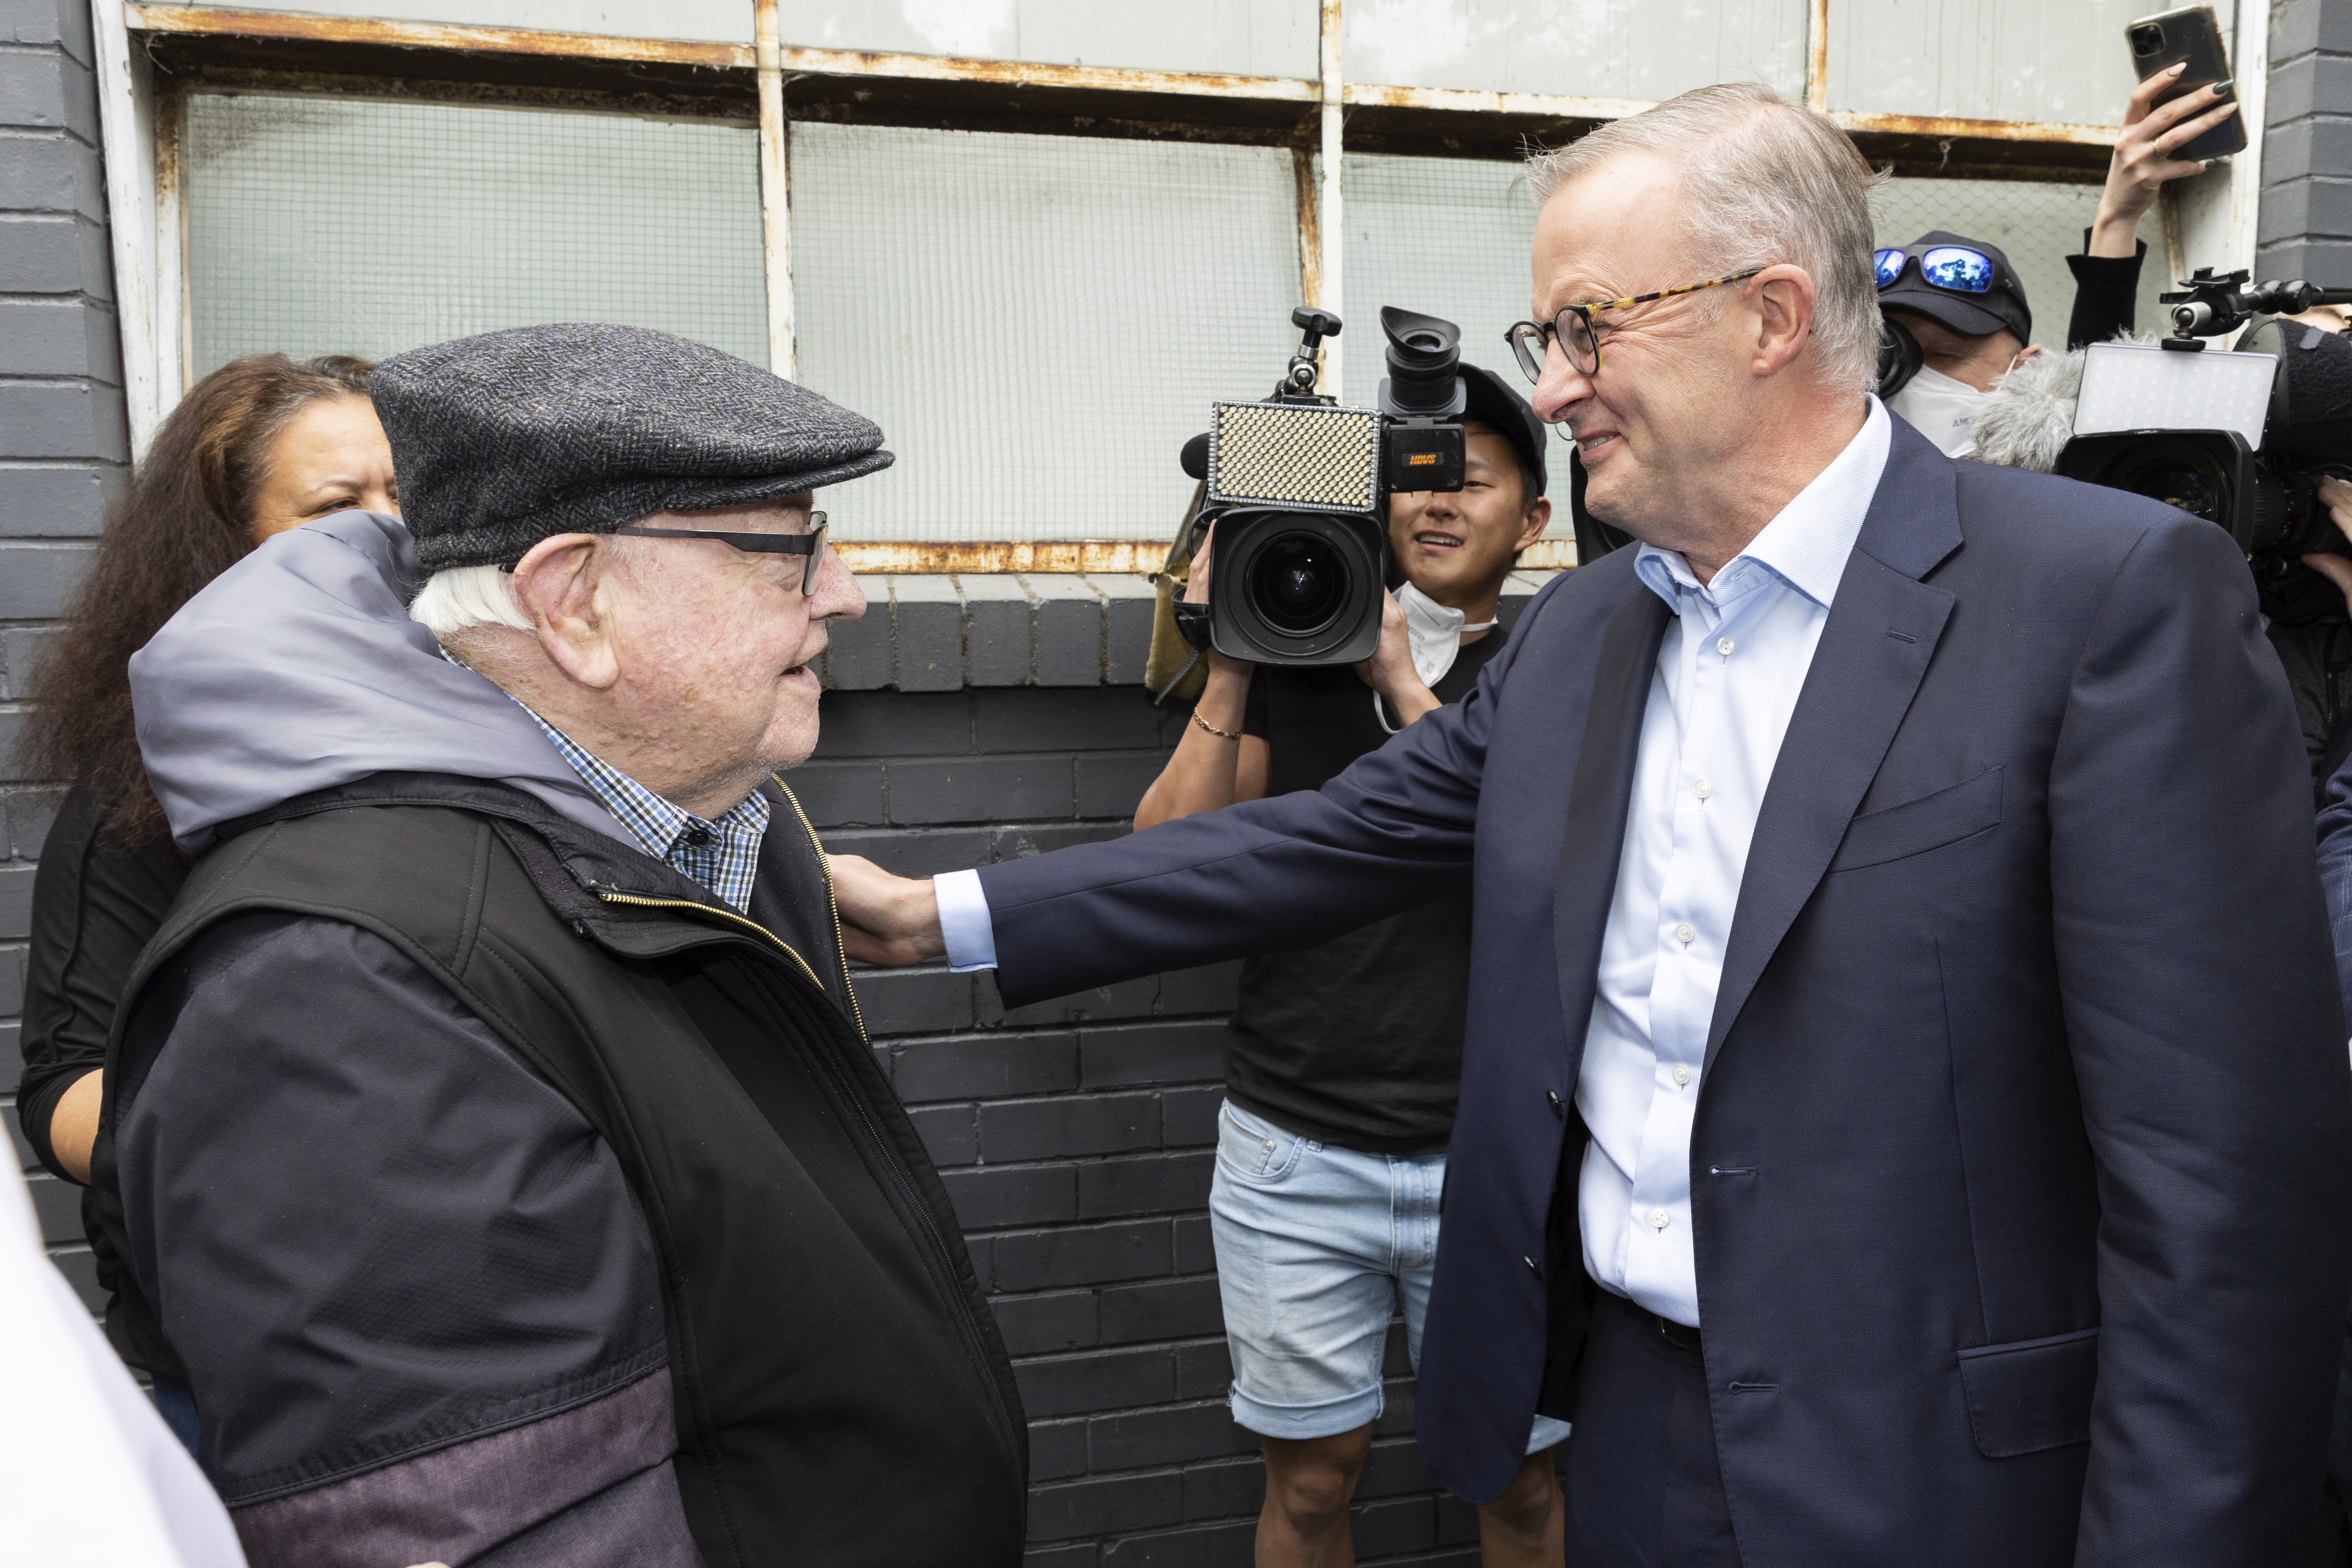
<point>1572,329</point>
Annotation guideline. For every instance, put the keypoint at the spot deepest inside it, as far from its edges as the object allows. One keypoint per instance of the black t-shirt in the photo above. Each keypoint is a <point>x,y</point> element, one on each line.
<point>1357,1041</point>
<point>97,899</point>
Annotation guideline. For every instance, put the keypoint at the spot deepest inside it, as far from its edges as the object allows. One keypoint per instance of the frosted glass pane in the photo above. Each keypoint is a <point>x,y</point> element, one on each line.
<point>1593,48</point>
<point>2062,60</point>
<point>1449,238</point>
<point>2039,226</point>
<point>1038,323</point>
<point>321,225</point>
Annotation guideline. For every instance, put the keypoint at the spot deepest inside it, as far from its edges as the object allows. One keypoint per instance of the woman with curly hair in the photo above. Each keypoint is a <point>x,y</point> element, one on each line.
<point>262,444</point>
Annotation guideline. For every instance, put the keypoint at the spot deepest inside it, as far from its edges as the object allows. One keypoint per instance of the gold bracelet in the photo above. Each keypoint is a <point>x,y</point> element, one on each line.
<point>1211,729</point>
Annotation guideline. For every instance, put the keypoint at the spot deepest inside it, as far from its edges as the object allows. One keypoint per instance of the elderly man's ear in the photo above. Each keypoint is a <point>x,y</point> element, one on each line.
<point>561,587</point>
<point>1782,306</point>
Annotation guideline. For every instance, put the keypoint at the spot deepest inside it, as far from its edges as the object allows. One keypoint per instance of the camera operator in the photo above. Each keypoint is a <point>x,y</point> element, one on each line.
<point>1964,305</point>
<point>1347,1056</point>
<point>2107,275</point>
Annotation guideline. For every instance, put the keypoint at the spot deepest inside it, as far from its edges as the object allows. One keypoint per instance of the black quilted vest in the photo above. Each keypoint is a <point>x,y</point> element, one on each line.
<point>841,1393</point>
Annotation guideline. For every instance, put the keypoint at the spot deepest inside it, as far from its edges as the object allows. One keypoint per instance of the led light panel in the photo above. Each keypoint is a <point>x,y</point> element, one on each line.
<point>2138,386</point>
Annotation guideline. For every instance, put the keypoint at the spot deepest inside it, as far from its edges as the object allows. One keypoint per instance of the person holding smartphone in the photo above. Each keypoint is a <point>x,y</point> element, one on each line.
<point>2146,157</point>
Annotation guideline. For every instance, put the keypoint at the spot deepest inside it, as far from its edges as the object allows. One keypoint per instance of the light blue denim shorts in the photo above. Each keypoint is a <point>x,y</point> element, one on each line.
<point>1317,1249</point>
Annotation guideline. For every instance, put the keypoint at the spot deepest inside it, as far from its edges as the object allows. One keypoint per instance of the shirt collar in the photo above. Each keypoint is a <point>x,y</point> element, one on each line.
<point>724,860</point>
<point>1807,544</point>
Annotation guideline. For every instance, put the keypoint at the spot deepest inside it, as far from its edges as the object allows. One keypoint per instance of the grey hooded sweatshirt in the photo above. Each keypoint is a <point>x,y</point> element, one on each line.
<point>299,669</point>
<point>466,1152</point>
<point>330,1294</point>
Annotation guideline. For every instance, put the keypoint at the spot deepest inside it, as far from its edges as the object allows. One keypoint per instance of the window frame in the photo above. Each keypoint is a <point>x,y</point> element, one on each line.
<point>152,57</point>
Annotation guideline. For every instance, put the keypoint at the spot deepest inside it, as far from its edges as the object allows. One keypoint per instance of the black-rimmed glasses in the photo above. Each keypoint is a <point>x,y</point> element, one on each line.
<point>811,544</point>
<point>1572,329</point>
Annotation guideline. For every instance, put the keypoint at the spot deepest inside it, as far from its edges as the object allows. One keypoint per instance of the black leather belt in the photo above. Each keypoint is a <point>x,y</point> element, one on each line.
<point>1681,1336</point>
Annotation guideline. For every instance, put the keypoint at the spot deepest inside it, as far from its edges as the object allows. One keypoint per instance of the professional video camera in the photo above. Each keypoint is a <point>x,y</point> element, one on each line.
<point>2240,438</point>
<point>1298,490</point>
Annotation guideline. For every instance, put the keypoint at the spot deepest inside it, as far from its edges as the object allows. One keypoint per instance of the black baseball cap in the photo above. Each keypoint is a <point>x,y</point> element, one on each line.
<point>1499,402</point>
<point>2000,307</point>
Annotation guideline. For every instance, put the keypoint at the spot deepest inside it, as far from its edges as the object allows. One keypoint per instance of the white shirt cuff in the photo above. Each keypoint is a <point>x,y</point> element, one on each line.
<point>963,920</point>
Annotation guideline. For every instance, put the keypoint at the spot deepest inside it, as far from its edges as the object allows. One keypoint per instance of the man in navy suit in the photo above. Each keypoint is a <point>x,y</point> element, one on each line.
<point>1904,1109</point>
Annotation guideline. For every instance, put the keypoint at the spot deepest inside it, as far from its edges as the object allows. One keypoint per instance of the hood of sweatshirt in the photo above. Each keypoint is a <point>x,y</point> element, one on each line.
<point>297,669</point>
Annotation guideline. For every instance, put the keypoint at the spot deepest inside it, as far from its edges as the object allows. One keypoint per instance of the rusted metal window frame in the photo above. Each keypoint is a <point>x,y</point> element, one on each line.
<point>148,252</point>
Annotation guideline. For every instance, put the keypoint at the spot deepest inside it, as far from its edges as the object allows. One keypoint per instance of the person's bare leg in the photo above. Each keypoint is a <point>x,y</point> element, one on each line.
<point>1525,1528</point>
<point>1309,1484</point>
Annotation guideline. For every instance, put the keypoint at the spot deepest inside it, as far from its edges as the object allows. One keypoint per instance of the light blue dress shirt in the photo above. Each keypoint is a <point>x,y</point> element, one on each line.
<point>1728,672</point>
<point>1728,677</point>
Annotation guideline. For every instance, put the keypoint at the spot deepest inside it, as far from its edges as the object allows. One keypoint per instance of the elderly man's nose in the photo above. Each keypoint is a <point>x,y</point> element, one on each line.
<point>838,597</point>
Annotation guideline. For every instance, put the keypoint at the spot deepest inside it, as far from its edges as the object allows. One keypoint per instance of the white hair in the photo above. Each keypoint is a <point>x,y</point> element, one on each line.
<point>464,597</point>
<point>1763,182</point>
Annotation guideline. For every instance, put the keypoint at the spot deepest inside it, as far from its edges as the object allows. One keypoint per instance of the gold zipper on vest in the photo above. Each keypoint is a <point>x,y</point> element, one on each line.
<point>723,914</point>
<point>840,948</point>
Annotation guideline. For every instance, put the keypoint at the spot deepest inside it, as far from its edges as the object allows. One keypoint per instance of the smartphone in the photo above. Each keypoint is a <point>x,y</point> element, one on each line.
<point>2192,34</point>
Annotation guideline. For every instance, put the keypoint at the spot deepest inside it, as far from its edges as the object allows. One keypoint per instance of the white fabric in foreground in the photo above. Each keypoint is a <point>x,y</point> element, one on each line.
<point>89,1472</point>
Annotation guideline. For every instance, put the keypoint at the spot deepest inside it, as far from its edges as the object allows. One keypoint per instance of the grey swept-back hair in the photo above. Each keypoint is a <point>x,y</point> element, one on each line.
<point>1763,181</point>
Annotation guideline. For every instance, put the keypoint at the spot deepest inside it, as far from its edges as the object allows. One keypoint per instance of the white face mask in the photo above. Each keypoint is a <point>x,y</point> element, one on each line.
<point>1941,409</point>
<point>1434,633</point>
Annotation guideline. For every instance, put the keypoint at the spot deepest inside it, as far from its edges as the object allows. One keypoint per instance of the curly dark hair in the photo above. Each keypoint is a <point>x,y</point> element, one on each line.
<point>185,517</point>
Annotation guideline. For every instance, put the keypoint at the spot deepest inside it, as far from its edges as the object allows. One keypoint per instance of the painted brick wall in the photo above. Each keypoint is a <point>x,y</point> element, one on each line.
<point>62,450</point>
<point>1076,1138</point>
<point>2306,227</point>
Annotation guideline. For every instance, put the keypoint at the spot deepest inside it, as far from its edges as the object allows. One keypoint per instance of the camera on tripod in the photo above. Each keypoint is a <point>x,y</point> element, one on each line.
<point>1298,487</point>
<point>2240,438</point>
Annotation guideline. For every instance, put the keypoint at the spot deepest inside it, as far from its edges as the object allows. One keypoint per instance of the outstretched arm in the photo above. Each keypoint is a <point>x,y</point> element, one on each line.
<point>1393,831</point>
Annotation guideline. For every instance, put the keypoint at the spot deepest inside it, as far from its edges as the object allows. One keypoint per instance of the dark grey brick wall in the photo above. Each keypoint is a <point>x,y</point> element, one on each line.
<point>2306,226</point>
<point>63,446</point>
<point>972,721</point>
<point>1076,1138</point>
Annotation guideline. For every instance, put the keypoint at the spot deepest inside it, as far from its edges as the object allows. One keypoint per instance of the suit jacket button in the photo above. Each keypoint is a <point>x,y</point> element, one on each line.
<point>1532,1264</point>
<point>1553,1095</point>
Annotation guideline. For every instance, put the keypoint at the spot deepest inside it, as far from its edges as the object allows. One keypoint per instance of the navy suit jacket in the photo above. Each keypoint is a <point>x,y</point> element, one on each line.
<point>2019,1183</point>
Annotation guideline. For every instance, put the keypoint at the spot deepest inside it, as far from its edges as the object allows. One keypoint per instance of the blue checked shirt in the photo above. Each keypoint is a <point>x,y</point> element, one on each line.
<point>722,853</point>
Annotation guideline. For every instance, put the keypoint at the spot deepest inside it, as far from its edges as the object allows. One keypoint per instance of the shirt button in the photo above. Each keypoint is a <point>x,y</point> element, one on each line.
<point>1682,1073</point>
<point>1704,788</point>
<point>1724,647</point>
<point>1660,1219</point>
<point>1685,932</point>
<point>697,836</point>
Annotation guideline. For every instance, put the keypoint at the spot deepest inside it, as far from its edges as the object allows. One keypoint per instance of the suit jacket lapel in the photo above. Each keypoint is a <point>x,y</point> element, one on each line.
<point>1597,798</point>
<point>1876,646</point>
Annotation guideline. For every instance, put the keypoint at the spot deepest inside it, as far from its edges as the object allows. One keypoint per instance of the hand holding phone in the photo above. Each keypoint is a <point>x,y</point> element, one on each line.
<point>2190,39</point>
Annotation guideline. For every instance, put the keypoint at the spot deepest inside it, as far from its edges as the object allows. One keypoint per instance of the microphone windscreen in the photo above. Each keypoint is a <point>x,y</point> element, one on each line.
<point>1195,457</point>
<point>2028,417</point>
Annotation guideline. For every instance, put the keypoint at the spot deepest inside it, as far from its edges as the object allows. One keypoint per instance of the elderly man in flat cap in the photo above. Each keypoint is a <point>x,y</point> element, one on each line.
<point>493,1127</point>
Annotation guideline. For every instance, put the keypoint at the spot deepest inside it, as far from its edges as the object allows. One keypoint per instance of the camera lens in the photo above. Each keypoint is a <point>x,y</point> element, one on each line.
<point>2182,481</point>
<point>1298,584</point>
<point>2146,41</point>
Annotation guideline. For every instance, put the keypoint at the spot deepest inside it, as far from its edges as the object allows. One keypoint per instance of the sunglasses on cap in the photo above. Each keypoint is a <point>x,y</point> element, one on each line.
<point>1954,268</point>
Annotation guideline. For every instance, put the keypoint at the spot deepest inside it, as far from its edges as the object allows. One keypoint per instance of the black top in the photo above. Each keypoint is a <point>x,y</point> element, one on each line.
<point>1356,1041</point>
<point>97,899</point>
<point>2107,294</point>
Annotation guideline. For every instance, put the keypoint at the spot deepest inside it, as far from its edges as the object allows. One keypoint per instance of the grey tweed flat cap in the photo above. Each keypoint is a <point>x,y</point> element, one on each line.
<point>504,439</point>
